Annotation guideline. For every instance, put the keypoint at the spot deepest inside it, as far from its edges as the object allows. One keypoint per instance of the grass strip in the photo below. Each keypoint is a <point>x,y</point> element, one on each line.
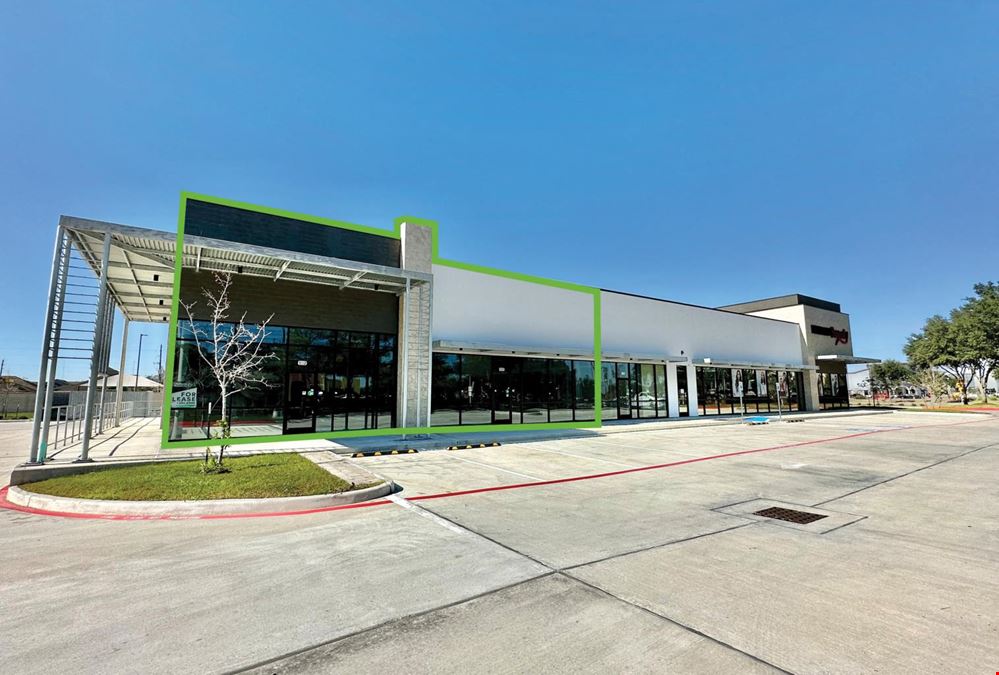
<point>252,477</point>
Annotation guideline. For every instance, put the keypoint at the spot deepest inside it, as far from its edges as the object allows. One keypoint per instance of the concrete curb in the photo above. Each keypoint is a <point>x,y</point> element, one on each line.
<point>212,507</point>
<point>32,473</point>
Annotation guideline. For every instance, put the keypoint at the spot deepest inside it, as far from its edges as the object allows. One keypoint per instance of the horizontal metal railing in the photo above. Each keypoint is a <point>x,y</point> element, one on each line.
<point>66,421</point>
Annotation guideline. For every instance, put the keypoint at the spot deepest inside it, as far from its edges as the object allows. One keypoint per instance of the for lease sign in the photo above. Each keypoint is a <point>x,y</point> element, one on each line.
<point>186,398</point>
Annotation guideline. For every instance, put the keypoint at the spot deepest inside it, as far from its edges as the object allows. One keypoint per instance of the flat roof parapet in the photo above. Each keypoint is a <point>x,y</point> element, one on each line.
<point>782,301</point>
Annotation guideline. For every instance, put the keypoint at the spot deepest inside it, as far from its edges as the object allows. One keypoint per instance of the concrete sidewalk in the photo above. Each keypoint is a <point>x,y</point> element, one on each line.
<point>139,439</point>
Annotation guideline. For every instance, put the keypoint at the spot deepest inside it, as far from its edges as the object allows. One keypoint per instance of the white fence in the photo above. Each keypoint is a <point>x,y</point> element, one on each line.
<point>145,403</point>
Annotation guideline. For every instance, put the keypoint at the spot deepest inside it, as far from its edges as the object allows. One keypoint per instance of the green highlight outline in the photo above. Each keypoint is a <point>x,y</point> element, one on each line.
<point>395,233</point>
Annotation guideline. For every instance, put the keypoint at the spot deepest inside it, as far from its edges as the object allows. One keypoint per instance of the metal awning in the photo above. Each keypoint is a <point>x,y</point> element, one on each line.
<point>497,349</point>
<point>642,358</point>
<point>141,265</point>
<point>754,365</point>
<point>840,358</point>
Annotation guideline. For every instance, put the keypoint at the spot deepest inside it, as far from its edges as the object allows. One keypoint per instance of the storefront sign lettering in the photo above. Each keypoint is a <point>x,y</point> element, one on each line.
<point>841,336</point>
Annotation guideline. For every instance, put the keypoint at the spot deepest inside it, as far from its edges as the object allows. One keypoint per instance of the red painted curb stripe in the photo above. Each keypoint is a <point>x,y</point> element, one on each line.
<point>4,503</point>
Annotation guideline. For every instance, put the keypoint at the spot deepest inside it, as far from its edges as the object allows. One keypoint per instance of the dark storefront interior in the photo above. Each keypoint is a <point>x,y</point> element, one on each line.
<point>833,391</point>
<point>316,380</point>
<point>762,390</point>
<point>484,389</point>
<point>634,390</point>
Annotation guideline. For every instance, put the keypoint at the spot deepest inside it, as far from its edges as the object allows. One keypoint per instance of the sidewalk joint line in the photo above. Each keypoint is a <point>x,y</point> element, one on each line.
<point>378,626</point>
<point>683,626</point>
<point>907,473</point>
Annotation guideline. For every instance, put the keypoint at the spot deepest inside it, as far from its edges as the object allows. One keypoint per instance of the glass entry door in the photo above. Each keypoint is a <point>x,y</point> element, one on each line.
<point>504,382</point>
<point>681,390</point>
<point>624,411</point>
<point>300,408</point>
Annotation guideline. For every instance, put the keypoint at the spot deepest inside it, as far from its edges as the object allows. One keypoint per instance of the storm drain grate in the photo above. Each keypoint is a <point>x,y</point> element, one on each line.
<point>789,515</point>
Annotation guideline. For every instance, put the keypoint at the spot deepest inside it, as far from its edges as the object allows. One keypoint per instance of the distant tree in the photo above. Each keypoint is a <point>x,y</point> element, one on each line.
<point>978,320</point>
<point>940,345</point>
<point>232,352</point>
<point>888,375</point>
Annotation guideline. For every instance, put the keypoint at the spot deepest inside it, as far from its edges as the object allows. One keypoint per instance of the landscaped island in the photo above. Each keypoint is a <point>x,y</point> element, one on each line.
<point>252,477</point>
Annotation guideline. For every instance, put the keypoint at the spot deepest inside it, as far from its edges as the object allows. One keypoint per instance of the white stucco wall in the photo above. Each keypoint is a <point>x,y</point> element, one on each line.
<point>478,307</point>
<point>805,316</point>
<point>646,326</point>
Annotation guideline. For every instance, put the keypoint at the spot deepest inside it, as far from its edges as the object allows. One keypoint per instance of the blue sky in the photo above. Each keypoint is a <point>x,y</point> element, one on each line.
<point>708,152</point>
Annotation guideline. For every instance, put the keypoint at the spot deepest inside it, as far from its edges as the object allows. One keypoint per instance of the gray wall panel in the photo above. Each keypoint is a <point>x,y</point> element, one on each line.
<point>296,304</point>
<point>260,229</point>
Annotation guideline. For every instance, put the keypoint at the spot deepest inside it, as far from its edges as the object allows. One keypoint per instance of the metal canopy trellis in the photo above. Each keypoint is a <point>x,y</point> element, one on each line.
<point>98,267</point>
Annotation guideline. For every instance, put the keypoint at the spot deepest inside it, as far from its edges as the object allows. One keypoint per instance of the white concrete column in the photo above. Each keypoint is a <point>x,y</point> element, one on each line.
<point>692,402</point>
<point>811,393</point>
<point>672,391</point>
<point>415,311</point>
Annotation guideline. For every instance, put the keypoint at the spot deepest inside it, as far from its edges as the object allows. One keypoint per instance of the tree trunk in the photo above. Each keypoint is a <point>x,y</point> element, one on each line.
<point>225,425</point>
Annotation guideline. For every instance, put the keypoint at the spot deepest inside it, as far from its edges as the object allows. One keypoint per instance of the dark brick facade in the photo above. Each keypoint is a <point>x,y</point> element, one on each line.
<point>296,304</point>
<point>260,229</point>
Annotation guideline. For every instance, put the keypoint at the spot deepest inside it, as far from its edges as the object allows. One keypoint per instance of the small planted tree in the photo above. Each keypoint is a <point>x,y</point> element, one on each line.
<point>935,382</point>
<point>233,353</point>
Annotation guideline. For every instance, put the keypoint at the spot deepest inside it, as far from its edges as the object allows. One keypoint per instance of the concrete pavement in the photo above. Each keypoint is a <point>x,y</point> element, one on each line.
<point>636,572</point>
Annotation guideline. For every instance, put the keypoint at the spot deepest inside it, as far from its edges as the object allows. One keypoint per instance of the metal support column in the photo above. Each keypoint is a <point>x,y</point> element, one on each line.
<point>405,354</point>
<point>121,373</point>
<point>88,412</point>
<point>430,341</point>
<point>419,362</point>
<point>43,443</point>
<point>46,341</point>
<point>105,362</point>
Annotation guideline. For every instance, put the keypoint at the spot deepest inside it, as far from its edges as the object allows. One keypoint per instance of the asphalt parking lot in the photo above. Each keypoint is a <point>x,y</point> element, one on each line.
<point>634,552</point>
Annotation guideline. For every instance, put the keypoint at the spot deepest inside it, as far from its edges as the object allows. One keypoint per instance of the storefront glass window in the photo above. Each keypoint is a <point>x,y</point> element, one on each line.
<point>313,380</point>
<point>483,389</point>
<point>584,391</point>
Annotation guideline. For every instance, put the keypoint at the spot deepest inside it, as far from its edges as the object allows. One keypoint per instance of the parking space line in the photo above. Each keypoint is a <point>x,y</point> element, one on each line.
<point>422,512</point>
<point>597,459</point>
<point>491,466</point>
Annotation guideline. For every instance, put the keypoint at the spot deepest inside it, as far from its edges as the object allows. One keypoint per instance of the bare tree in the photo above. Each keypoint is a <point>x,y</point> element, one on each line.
<point>232,352</point>
<point>937,384</point>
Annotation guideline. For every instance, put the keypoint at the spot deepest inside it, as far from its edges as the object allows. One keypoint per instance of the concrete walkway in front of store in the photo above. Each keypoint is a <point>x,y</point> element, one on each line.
<point>140,439</point>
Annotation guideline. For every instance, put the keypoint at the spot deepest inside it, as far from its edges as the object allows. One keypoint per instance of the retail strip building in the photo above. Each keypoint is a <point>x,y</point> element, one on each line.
<point>371,332</point>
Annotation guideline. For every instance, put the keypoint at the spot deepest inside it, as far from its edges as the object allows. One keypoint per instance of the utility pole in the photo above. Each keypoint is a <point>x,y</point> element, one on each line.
<point>138,360</point>
<point>159,368</point>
